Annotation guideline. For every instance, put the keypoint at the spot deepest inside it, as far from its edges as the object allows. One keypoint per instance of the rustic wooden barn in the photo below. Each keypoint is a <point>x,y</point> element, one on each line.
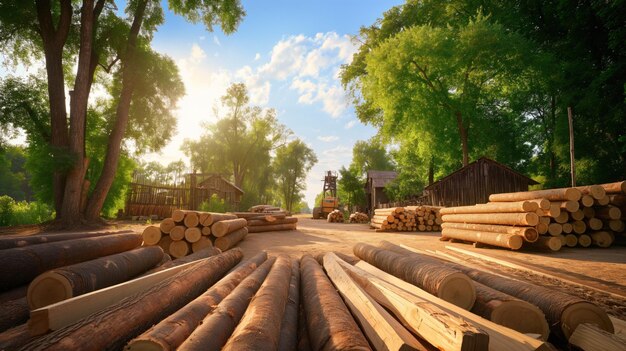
<point>474,183</point>
<point>146,199</point>
<point>374,188</point>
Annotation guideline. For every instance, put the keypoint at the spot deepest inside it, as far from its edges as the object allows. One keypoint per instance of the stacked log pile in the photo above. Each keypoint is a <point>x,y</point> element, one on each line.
<point>336,216</point>
<point>266,218</point>
<point>359,217</point>
<point>547,219</point>
<point>410,218</point>
<point>186,232</point>
<point>392,298</point>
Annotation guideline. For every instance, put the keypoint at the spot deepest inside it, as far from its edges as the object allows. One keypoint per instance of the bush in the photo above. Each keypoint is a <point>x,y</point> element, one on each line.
<point>215,204</point>
<point>16,213</point>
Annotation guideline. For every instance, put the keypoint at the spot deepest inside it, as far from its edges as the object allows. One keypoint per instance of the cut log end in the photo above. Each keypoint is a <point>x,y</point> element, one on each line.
<point>145,345</point>
<point>458,289</point>
<point>48,288</point>
<point>584,312</point>
<point>508,314</point>
<point>151,235</point>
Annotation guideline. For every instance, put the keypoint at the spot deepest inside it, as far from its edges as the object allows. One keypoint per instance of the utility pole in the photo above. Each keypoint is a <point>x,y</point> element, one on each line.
<point>570,118</point>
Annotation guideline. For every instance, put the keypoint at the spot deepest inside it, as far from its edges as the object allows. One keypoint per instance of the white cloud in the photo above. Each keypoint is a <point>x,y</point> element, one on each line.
<point>216,40</point>
<point>258,88</point>
<point>328,138</point>
<point>350,124</point>
<point>257,56</point>
<point>197,54</point>
<point>332,96</point>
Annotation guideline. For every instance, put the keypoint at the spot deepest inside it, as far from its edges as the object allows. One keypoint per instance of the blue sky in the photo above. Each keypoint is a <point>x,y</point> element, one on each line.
<point>288,53</point>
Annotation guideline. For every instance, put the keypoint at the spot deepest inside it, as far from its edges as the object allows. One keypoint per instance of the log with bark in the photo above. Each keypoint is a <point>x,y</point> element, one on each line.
<point>21,265</point>
<point>511,241</point>
<point>257,222</point>
<point>336,216</point>
<point>10,242</point>
<point>222,228</point>
<point>427,273</point>
<point>66,282</point>
<point>174,330</point>
<point>289,326</point>
<point>561,194</point>
<point>519,219</point>
<point>589,337</point>
<point>112,328</point>
<point>231,239</point>
<point>329,323</point>
<point>14,313</point>
<point>259,328</point>
<point>359,217</point>
<point>528,233</point>
<point>493,207</point>
<point>217,217</point>
<point>271,228</point>
<point>151,235</point>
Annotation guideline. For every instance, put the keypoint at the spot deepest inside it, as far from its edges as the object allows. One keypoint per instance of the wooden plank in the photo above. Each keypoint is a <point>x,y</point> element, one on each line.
<point>589,337</point>
<point>381,329</point>
<point>619,325</point>
<point>538,271</point>
<point>500,338</point>
<point>66,312</point>
<point>442,330</point>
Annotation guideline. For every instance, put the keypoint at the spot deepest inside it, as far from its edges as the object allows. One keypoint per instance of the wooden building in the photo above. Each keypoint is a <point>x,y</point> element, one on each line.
<point>474,183</point>
<point>374,188</point>
<point>218,185</point>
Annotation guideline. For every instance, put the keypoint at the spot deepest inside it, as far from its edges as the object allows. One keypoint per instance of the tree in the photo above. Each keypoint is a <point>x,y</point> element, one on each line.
<point>351,187</point>
<point>92,36</point>
<point>291,165</point>
<point>370,155</point>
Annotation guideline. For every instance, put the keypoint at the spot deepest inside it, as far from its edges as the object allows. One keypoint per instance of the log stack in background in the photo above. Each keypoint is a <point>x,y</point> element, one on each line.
<point>336,216</point>
<point>410,218</point>
<point>267,218</point>
<point>359,217</point>
<point>186,232</point>
<point>549,219</point>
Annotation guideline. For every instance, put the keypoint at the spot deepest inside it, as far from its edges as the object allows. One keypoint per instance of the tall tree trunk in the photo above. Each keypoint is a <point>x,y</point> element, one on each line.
<point>431,170</point>
<point>96,201</point>
<point>78,113</point>
<point>463,134</point>
<point>53,41</point>
<point>551,137</point>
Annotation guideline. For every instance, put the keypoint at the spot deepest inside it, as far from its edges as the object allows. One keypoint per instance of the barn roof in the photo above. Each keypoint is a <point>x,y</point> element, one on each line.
<point>473,164</point>
<point>379,179</point>
<point>223,180</point>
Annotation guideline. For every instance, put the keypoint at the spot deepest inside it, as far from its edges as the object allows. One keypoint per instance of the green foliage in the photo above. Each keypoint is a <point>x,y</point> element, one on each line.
<point>23,212</point>
<point>215,204</point>
<point>13,177</point>
<point>370,155</point>
<point>351,187</point>
<point>291,164</point>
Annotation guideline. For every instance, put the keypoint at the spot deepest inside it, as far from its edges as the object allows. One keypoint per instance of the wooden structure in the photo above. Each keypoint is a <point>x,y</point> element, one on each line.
<point>145,199</point>
<point>374,188</point>
<point>474,183</point>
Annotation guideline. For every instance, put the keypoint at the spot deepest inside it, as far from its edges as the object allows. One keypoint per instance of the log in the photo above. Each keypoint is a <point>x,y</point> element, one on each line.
<point>174,330</point>
<point>500,338</point>
<point>267,218</point>
<point>443,331</point>
<point>165,242</point>
<point>541,228</point>
<point>569,206</point>
<point>584,240</point>
<point>166,225</point>
<point>382,330</point>
<point>543,204</point>
<point>608,212</point>
<point>555,229</point>
<point>522,219</point>
<point>193,234</point>
<point>22,264</point>
<point>427,273</point>
<point>602,238</point>
<point>206,231</point>
<point>271,228</point>
<point>202,217</point>
<point>577,215</point>
<point>564,312</point>
<point>231,239</point>
<point>191,220</point>
<point>602,202</point>
<point>257,222</point>
<point>220,321</point>
<point>259,328</point>
<point>201,244</point>
<point>329,322</point>
<point>303,334</point>
<point>618,200</point>
<point>510,241</point>
<point>64,313</point>
<point>579,227</point>
<point>587,200</point>
<point>595,191</point>
<point>571,240</point>
<point>66,282</point>
<point>561,194</point>
<point>15,338</point>
<point>222,228</point>
<point>289,326</point>
<point>563,217</point>
<point>589,212</point>
<point>9,242</point>
<point>594,224</point>
<point>493,207</point>
<point>151,235</point>
<point>14,313</point>
<point>528,233</point>
<point>179,249</point>
<point>112,328</point>
<point>589,337</point>
<point>567,228</point>
<point>554,211</point>
<point>178,233</point>
<point>549,242</point>
<point>615,188</point>
<point>216,217</point>
<point>616,225</point>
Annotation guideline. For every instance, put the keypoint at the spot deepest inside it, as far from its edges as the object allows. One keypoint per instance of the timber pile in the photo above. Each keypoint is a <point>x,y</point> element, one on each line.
<point>336,216</point>
<point>410,218</point>
<point>359,217</point>
<point>187,232</point>
<point>547,219</point>
<point>266,218</point>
